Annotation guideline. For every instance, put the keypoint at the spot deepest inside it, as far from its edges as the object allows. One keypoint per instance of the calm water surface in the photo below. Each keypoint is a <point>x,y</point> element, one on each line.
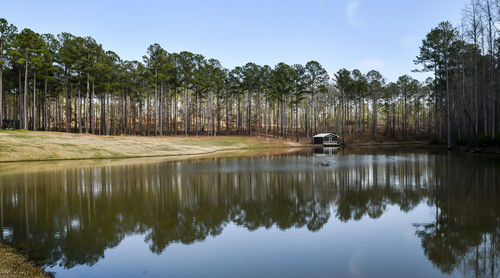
<point>371,214</point>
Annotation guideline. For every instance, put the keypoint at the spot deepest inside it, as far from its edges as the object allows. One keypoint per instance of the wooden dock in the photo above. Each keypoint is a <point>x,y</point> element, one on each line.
<point>334,144</point>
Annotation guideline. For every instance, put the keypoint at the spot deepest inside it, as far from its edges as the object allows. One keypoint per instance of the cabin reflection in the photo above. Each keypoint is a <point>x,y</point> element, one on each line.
<point>326,151</point>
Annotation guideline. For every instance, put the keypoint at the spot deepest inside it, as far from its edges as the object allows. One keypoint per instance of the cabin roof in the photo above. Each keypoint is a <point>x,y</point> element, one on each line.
<point>322,135</point>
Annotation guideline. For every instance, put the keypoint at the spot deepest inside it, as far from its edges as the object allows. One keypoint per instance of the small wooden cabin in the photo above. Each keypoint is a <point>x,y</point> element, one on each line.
<point>326,139</point>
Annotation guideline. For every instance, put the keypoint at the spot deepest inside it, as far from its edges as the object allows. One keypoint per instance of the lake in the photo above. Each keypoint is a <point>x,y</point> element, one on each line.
<point>311,213</point>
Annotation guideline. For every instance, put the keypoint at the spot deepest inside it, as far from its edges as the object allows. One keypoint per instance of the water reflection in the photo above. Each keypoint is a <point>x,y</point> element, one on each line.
<point>465,231</point>
<point>71,216</point>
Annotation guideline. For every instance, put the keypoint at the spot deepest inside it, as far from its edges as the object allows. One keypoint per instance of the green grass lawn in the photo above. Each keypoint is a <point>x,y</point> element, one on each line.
<point>21,145</point>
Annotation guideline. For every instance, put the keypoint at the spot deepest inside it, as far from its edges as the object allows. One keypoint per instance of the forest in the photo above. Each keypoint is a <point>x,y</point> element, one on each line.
<point>71,84</point>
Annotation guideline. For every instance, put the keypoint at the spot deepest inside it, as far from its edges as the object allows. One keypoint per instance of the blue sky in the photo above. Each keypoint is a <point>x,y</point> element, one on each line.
<point>363,34</point>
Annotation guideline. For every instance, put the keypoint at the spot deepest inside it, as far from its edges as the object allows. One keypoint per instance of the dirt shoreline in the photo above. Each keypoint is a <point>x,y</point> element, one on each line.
<point>14,265</point>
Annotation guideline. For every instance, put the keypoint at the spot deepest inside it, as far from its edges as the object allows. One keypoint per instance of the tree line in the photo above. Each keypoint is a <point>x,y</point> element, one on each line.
<point>70,83</point>
<point>465,61</point>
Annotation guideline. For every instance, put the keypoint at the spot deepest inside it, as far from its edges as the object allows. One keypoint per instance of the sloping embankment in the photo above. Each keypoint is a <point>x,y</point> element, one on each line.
<point>41,146</point>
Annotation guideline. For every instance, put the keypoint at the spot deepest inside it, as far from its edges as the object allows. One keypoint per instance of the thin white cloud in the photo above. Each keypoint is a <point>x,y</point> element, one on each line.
<point>409,41</point>
<point>372,63</point>
<point>351,12</point>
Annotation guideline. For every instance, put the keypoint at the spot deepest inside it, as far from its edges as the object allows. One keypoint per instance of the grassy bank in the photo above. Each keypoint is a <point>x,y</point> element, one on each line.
<point>13,265</point>
<point>37,146</point>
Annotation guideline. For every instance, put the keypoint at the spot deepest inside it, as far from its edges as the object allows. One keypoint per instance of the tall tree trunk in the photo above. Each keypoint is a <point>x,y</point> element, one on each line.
<point>167,131</point>
<point>214,130</point>
<point>91,100</point>
<point>25,99</point>
<point>374,128</point>
<point>306,120</point>
<point>102,117</point>
<point>218,112</point>
<point>238,116</point>
<point>156,103</point>
<point>476,98</point>
<point>19,102</point>
<point>46,108</point>
<point>313,127</point>
<point>140,117</point>
<point>196,115</point>
<point>259,124</point>
<point>286,119</point>
<point>1,93</point>
<point>1,86</point>
<point>161,109</point>
<point>108,114</point>
<point>297,118</point>
<point>249,113</point>
<point>227,113</point>
<point>491,68</point>
<point>89,111</point>
<point>275,119</point>
<point>448,120</point>
<point>79,110</point>
<point>34,101</point>
<point>282,118</point>
<point>68,102</point>
<point>265,116</point>
<point>186,111</point>
<point>75,111</point>
<point>343,115</point>
<point>175,113</point>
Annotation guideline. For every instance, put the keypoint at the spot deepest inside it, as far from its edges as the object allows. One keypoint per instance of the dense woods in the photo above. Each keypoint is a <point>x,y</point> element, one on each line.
<point>70,83</point>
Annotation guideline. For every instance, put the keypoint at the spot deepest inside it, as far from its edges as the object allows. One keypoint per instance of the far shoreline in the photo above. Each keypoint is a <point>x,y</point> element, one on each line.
<point>21,146</point>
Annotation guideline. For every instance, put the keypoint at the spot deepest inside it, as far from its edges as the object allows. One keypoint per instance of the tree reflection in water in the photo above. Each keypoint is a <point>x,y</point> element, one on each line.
<point>464,234</point>
<point>70,217</point>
